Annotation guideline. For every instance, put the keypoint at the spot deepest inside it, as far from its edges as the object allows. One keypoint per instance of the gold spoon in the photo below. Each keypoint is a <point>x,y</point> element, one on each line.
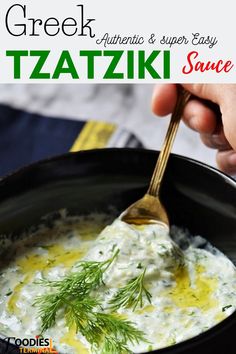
<point>149,209</point>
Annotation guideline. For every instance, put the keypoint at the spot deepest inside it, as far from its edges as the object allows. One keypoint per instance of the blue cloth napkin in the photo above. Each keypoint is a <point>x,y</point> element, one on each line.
<point>27,137</point>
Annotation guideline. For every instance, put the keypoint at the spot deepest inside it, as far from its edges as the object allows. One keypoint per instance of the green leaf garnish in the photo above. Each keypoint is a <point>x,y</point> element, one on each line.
<point>131,295</point>
<point>226,307</point>
<point>75,285</point>
<point>107,333</point>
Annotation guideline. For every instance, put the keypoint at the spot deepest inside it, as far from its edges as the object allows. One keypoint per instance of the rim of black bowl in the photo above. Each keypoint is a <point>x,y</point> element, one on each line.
<point>187,344</point>
<point>109,150</point>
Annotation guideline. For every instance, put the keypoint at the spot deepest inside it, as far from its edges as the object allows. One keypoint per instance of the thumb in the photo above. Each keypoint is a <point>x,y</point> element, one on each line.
<point>206,91</point>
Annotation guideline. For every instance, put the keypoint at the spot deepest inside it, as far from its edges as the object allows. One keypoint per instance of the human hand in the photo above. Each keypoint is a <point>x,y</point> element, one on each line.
<point>216,125</point>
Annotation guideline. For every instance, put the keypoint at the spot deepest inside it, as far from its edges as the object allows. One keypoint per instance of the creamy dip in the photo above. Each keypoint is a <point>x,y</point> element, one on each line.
<point>192,290</point>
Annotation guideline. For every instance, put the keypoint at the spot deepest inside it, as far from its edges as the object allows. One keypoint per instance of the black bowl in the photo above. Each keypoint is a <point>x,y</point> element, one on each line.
<point>196,196</point>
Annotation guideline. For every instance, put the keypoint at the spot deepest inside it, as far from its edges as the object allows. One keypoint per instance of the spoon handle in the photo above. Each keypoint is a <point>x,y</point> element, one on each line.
<point>154,187</point>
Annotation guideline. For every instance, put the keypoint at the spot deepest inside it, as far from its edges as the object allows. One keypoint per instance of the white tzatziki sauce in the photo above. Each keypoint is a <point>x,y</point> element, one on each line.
<point>192,290</point>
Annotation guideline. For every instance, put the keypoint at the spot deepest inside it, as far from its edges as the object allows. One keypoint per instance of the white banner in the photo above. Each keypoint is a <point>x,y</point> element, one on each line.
<point>104,41</point>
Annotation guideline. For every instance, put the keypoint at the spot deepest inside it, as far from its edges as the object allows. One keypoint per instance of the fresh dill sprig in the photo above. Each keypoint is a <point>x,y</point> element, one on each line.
<point>89,276</point>
<point>131,295</point>
<point>117,332</point>
<point>80,313</point>
<point>107,333</point>
<point>48,305</point>
<point>110,346</point>
<point>119,328</point>
<point>77,285</point>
